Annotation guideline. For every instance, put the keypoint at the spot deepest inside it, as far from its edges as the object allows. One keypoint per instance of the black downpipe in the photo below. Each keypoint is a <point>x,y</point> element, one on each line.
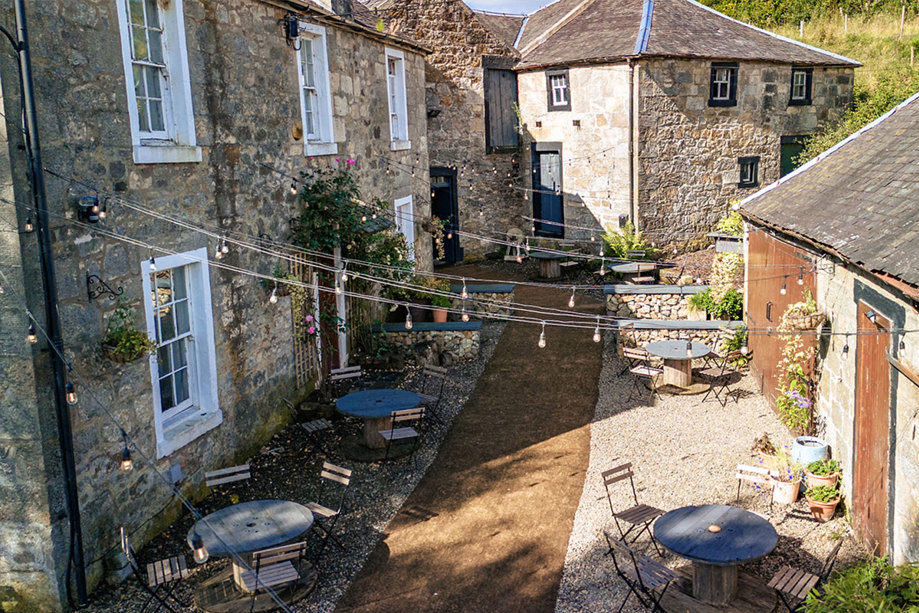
<point>52,318</point>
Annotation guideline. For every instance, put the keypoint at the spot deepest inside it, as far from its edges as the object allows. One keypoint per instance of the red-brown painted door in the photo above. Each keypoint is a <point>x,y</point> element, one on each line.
<point>872,430</point>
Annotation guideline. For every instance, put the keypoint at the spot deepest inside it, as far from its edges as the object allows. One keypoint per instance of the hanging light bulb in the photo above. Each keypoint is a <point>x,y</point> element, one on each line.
<point>273,298</point>
<point>688,349</point>
<point>152,264</point>
<point>197,545</point>
<point>784,290</point>
<point>571,300</point>
<point>28,227</point>
<point>344,275</point>
<point>801,277</point>
<point>464,294</point>
<point>71,393</point>
<point>597,331</point>
<point>744,350</point>
<point>519,259</point>
<point>542,337</point>
<point>218,252</point>
<point>224,248</point>
<point>363,218</point>
<point>32,336</point>
<point>902,343</point>
<point>465,315</point>
<point>338,289</point>
<point>845,347</point>
<point>293,188</point>
<point>449,235</point>
<point>126,462</point>
<point>481,212</point>
<point>602,266</point>
<point>408,318</point>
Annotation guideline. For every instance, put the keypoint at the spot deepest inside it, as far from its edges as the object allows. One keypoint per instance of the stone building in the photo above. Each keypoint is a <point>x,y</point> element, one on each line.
<point>659,112</point>
<point>844,227</point>
<point>203,112</point>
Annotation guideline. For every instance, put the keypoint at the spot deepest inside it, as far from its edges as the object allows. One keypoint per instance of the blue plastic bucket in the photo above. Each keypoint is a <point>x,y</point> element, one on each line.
<point>807,449</point>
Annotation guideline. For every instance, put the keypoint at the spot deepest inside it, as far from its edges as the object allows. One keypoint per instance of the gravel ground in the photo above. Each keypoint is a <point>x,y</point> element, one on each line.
<point>288,467</point>
<point>684,452</point>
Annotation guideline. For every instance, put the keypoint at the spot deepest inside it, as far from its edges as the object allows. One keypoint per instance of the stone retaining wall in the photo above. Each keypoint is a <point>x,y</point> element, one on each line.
<point>643,337</point>
<point>458,344</point>
<point>486,304</point>
<point>651,302</point>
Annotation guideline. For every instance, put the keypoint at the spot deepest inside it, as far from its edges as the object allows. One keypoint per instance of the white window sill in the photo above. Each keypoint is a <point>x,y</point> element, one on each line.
<point>318,148</point>
<point>186,427</point>
<point>400,145</point>
<point>166,154</point>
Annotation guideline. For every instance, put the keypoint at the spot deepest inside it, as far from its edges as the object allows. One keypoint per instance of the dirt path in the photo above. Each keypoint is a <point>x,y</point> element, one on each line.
<point>488,526</point>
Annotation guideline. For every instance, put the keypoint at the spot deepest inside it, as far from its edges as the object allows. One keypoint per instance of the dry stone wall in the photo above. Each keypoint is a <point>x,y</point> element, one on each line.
<point>459,344</point>
<point>486,304</point>
<point>649,306</point>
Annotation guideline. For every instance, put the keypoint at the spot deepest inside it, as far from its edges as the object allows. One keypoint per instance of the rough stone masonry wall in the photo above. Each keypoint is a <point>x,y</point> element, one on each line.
<point>456,136</point>
<point>835,399</point>
<point>640,338</point>
<point>594,137</point>
<point>486,304</point>
<point>688,151</point>
<point>245,96</point>
<point>648,306</point>
<point>461,344</point>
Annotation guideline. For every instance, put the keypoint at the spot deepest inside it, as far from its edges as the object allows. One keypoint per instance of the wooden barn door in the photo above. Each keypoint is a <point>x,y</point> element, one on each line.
<point>872,430</point>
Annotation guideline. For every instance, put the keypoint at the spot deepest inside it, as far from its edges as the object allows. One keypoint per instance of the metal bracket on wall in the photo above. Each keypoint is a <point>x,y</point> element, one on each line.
<point>96,287</point>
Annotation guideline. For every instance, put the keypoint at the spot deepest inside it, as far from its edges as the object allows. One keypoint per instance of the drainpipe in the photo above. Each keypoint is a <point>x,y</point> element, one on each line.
<point>49,295</point>
<point>633,182</point>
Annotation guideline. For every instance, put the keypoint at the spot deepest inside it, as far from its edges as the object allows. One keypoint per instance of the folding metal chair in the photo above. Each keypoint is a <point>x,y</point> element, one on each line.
<point>757,475</point>
<point>313,428</point>
<point>227,475</point>
<point>405,426</point>
<point>643,576</point>
<point>433,379</point>
<point>271,568</point>
<point>638,516</point>
<point>330,505</point>
<point>338,378</point>
<point>719,377</point>
<point>642,370</point>
<point>627,339</point>
<point>162,575</point>
<point>793,584</point>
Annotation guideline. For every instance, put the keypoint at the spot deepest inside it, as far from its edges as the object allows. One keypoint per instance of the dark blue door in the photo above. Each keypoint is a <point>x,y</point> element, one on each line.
<point>547,193</point>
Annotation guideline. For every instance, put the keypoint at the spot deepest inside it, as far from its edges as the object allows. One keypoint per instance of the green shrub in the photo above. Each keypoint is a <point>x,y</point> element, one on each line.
<point>702,301</point>
<point>732,224</point>
<point>620,242</point>
<point>735,343</point>
<point>729,307</point>
<point>824,467</point>
<point>873,585</point>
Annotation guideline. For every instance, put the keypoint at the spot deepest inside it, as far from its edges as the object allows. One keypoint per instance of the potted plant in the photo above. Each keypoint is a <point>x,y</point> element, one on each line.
<point>822,472</point>
<point>441,304</point>
<point>785,474</point>
<point>822,501</point>
<point>123,342</point>
<point>283,289</point>
<point>804,315</point>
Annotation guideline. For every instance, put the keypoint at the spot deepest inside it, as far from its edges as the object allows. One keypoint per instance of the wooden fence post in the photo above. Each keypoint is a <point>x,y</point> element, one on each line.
<point>801,29</point>
<point>902,21</point>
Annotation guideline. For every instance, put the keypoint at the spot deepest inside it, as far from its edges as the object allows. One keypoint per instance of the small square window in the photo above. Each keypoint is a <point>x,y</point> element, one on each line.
<point>801,86</point>
<point>723,86</point>
<point>558,90</point>
<point>749,172</point>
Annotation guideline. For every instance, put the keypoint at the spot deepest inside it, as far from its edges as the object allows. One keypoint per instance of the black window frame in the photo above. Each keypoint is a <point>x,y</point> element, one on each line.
<point>741,162</point>
<point>549,100</point>
<point>809,86</point>
<point>732,84</point>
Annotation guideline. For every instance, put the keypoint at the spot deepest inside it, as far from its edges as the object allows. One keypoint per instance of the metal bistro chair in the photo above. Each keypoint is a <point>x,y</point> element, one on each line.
<point>718,352</point>
<point>433,379</point>
<point>638,516</point>
<point>757,475</point>
<point>643,576</point>
<point>227,475</point>
<point>272,568</point>
<point>794,584</point>
<point>626,338</point>
<point>330,504</point>
<point>405,426</point>
<point>642,370</point>
<point>339,378</point>
<point>162,575</point>
<point>719,377</point>
<point>313,429</point>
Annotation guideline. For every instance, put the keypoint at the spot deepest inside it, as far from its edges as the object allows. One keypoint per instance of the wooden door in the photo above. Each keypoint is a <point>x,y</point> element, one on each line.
<point>872,429</point>
<point>444,206</point>
<point>500,116</point>
<point>547,193</point>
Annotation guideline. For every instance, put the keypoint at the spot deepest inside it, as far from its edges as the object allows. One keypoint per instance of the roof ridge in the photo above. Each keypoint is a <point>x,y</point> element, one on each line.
<point>774,35</point>
<point>644,29</point>
<point>558,25</point>
<point>829,151</point>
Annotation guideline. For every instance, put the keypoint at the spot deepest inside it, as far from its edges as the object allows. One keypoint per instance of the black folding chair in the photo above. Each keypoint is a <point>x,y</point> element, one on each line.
<point>643,576</point>
<point>431,389</point>
<point>793,584</point>
<point>639,516</point>
<point>719,377</point>
<point>163,576</point>
<point>330,505</point>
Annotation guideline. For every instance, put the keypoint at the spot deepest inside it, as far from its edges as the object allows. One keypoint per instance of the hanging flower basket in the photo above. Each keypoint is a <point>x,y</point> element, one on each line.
<point>111,352</point>
<point>805,322</point>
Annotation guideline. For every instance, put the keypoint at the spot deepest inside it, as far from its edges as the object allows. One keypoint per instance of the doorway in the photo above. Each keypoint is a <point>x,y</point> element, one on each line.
<point>872,429</point>
<point>792,146</point>
<point>547,189</point>
<point>444,206</point>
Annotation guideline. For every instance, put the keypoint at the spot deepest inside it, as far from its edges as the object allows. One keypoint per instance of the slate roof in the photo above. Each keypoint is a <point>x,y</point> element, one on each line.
<point>503,27</point>
<point>860,199</point>
<point>609,30</point>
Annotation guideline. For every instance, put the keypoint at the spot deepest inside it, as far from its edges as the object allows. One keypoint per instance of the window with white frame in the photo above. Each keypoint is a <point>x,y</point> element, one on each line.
<point>405,223</point>
<point>558,90</point>
<point>723,84</point>
<point>157,81</point>
<point>801,81</point>
<point>315,93</point>
<point>183,369</point>
<point>398,109</point>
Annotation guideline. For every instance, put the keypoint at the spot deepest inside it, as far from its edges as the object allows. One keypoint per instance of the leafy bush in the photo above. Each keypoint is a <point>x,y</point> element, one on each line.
<point>729,307</point>
<point>778,12</point>
<point>873,585</point>
<point>822,493</point>
<point>620,242</point>
<point>824,467</point>
<point>732,224</point>
<point>702,301</point>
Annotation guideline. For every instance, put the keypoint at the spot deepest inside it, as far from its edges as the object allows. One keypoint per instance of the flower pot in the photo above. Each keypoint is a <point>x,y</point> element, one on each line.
<point>785,492</point>
<point>822,511</point>
<point>419,314</point>
<point>440,315</point>
<point>112,353</point>
<point>807,449</point>
<point>806,322</point>
<point>815,480</point>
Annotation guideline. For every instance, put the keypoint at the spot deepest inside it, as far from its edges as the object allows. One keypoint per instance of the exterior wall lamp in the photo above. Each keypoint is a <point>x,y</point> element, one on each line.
<point>872,316</point>
<point>292,30</point>
<point>89,210</point>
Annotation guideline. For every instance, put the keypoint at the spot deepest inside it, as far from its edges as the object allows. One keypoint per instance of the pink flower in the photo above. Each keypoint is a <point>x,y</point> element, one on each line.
<point>311,330</point>
<point>350,162</point>
<point>309,318</point>
<point>337,159</point>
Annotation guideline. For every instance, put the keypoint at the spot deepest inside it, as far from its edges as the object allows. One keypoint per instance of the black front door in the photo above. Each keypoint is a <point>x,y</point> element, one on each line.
<point>792,146</point>
<point>444,206</point>
<point>547,191</point>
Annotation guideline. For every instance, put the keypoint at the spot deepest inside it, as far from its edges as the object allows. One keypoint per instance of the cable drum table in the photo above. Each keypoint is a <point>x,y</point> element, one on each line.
<point>550,266</point>
<point>678,357</point>
<point>375,408</point>
<point>718,538</point>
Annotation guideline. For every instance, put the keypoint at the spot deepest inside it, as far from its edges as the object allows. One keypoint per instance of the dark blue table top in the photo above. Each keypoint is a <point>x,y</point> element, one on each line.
<point>251,526</point>
<point>634,267</point>
<point>376,403</point>
<point>542,255</point>
<point>676,350</point>
<point>744,536</point>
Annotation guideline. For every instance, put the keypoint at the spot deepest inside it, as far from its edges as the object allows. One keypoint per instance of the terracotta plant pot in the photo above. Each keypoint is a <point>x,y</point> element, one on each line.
<point>785,492</point>
<point>822,511</point>
<point>440,315</point>
<point>815,480</point>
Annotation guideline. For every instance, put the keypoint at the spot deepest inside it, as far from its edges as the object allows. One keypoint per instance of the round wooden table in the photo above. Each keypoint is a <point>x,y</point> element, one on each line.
<point>678,357</point>
<point>630,270</point>
<point>549,264</point>
<point>375,408</point>
<point>717,538</point>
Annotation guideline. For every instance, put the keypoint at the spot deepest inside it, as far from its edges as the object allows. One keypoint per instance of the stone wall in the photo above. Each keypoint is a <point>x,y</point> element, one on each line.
<point>245,96</point>
<point>643,336</point>
<point>460,344</point>
<point>595,144</point>
<point>673,305</point>
<point>456,134</point>
<point>486,304</point>
<point>688,151</point>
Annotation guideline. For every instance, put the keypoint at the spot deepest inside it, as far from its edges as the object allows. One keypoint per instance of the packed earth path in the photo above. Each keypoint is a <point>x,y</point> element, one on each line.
<point>487,528</point>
